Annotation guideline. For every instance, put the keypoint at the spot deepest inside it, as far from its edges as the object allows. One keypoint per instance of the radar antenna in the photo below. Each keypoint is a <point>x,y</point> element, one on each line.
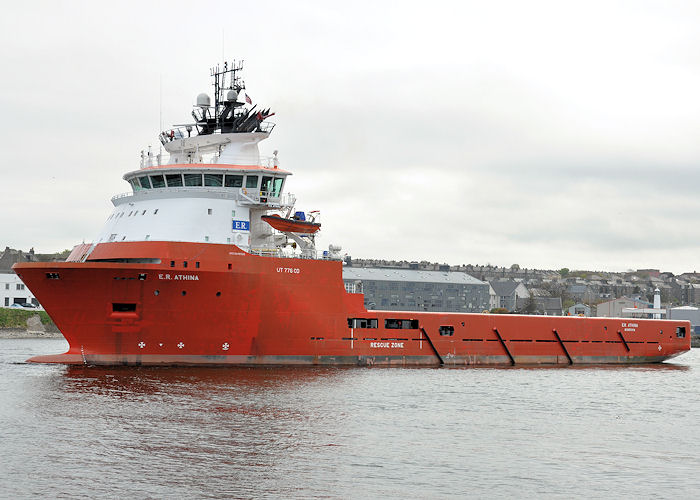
<point>221,86</point>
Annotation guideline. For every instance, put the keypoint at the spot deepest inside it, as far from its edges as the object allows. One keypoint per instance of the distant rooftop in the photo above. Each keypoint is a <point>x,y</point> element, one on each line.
<point>374,274</point>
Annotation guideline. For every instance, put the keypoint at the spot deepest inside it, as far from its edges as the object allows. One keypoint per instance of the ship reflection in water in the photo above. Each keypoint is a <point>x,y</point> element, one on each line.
<point>346,432</point>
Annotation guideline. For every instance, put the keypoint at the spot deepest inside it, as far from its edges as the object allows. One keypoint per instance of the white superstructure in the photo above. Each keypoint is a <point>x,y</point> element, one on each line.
<point>212,186</point>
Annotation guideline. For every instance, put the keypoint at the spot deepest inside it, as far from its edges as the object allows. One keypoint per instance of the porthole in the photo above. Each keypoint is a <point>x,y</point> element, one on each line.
<point>156,292</point>
<point>218,294</point>
<point>184,292</point>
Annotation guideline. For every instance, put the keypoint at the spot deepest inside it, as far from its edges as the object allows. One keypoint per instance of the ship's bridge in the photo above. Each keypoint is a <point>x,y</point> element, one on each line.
<point>251,185</point>
<point>211,185</point>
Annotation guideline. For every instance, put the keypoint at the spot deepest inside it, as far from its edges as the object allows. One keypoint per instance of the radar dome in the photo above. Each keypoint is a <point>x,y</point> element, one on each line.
<point>231,95</point>
<point>203,100</point>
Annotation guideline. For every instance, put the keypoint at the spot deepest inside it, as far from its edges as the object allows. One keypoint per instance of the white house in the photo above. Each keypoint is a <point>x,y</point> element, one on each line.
<point>13,291</point>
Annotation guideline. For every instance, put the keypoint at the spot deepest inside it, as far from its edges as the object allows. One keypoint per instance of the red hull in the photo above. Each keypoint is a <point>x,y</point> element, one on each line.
<point>230,307</point>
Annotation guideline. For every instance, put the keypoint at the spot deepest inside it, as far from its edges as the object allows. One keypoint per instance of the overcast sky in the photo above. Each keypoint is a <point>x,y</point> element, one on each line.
<point>548,134</point>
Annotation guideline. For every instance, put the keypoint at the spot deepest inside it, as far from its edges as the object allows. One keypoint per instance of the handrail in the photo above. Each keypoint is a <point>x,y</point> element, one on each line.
<point>284,200</point>
<point>163,159</point>
<point>179,132</point>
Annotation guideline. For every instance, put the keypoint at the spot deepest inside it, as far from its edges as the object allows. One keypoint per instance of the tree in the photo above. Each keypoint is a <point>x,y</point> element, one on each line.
<point>564,272</point>
<point>530,306</point>
<point>499,310</point>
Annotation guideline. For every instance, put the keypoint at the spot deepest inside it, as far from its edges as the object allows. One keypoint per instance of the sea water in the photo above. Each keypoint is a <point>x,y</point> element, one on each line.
<point>586,432</point>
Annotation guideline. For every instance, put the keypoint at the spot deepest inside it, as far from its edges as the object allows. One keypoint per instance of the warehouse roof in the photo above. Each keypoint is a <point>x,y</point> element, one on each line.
<point>376,274</point>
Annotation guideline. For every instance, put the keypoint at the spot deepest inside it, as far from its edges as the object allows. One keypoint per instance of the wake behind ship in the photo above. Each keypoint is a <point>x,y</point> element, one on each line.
<point>207,260</point>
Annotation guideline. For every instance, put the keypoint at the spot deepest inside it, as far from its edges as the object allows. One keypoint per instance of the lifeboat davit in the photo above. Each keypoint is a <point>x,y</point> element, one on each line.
<point>291,225</point>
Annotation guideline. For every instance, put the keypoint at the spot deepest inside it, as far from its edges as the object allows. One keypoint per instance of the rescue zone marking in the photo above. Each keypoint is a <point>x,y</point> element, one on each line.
<point>391,345</point>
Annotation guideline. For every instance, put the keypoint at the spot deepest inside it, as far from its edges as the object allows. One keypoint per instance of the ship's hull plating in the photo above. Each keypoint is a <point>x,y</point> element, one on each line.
<point>228,307</point>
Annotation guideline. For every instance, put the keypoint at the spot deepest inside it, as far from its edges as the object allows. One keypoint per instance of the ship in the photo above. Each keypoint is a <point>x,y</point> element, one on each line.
<point>207,260</point>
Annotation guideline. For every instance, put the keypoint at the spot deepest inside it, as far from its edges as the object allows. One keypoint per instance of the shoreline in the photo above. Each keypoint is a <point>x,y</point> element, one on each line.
<point>21,333</point>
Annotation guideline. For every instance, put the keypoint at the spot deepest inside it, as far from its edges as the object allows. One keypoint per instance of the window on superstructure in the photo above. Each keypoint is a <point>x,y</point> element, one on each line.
<point>184,264</point>
<point>401,324</point>
<point>447,330</point>
<point>251,181</point>
<point>193,179</point>
<point>145,183</point>
<point>233,181</point>
<point>266,185</point>
<point>277,188</point>
<point>135,184</point>
<point>363,323</point>
<point>157,181</point>
<point>215,180</point>
<point>174,180</point>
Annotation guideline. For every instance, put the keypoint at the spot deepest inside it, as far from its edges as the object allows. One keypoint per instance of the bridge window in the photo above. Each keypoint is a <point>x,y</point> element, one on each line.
<point>135,184</point>
<point>277,186</point>
<point>251,181</point>
<point>680,332</point>
<point>193,179</point>
<point>216,180</point>
<point>174,180</point>
<point>272,186</point>
<point>266,185</point>
<point>157,181</point>
<point>145,183</point>
<point>233,181</point>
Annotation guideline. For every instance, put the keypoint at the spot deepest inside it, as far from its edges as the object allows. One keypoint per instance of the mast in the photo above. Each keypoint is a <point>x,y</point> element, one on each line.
<point>235,82</point>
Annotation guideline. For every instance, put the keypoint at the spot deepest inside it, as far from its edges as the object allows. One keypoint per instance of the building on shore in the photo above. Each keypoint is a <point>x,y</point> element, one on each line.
<point>613,308</point>
<point>13,291</point>
<point>546,306</point>
<point>689,313</point>
<point>506,293</point>
<point>415,290</point>
<point>580,310</point>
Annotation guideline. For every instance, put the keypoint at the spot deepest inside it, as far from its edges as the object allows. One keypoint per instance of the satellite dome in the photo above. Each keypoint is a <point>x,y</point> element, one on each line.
<point>231,95</point>
<point>203,100</point>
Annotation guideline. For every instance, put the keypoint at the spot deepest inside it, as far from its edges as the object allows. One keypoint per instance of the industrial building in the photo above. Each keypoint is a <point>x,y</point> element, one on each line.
<point>415,290</point>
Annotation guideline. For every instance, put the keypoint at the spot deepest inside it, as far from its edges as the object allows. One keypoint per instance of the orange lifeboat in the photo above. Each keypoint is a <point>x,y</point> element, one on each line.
<point>291,225</point>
